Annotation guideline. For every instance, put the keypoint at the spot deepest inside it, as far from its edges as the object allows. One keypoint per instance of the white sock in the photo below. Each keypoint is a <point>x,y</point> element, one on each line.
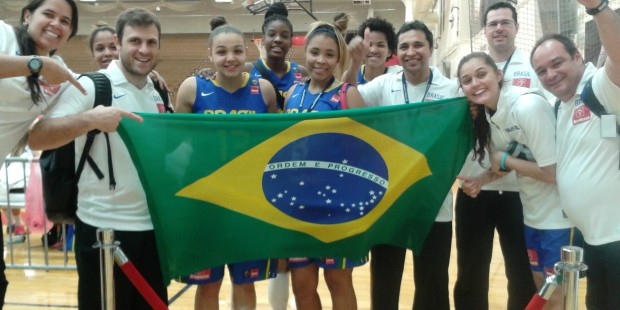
<point>278,291</point>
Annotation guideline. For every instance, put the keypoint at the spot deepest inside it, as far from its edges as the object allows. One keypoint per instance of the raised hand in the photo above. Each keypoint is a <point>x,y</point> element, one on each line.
<point>358,47</point>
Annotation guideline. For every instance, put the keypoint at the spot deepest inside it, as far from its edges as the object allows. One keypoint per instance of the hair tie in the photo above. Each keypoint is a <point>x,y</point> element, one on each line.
<point>327,29</point>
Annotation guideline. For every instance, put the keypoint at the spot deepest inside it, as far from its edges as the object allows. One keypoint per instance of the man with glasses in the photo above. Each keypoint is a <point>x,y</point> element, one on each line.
<point>498,206</point>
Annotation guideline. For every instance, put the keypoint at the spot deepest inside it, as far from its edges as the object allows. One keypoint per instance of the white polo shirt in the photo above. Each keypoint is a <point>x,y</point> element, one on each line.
<point>125,207</point>
<point>587,174</point>
<point>387,90</point>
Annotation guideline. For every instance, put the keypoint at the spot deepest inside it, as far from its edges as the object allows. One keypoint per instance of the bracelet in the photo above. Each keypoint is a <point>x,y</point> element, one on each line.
<point>502,163</point>
<point>598,9</point>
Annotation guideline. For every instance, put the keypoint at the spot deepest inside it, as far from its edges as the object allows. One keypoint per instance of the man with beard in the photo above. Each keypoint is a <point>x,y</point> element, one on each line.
<point>123,207</point>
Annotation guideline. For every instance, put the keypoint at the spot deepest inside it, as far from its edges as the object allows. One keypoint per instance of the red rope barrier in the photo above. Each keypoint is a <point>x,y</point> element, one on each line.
<point>142,286</point>
<point>536,303</point>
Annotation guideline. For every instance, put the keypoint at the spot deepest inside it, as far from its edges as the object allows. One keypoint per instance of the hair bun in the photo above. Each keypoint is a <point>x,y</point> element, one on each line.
<point>217,21</point>
<point>277,8</point>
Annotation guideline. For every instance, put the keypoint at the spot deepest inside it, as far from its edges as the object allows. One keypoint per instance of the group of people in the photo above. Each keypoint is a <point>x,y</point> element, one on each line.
<point>533,174</point>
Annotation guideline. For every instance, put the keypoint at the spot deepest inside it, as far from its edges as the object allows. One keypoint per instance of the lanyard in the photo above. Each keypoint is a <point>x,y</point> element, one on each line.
<point>303,95</point>
<point>428,86</point>
<point>506,64</point>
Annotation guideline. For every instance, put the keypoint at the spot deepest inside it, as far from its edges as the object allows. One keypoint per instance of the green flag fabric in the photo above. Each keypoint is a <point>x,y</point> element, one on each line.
<point>233,188</point>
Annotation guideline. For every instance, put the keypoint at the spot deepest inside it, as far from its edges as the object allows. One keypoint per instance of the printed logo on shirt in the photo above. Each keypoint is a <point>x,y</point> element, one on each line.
<point>206,94</point>
<point>231,112</point>
<point>581,113</point>
<point>330,261</point>
<point>433,96</point>
<point>511,129</point>
<point>533,256</point>
<point>522,82</point>
<point>294,111</point>
<point>521,73</point>
<point>335,98</point>
<point>49,90</point>
<point>118,96</point>
<point>254,88</point>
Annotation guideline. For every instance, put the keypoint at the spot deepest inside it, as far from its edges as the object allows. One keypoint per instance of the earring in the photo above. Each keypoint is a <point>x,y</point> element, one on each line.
<point>290,54</point>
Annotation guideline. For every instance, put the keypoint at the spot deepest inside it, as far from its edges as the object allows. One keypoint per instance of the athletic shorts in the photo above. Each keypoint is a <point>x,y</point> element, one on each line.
<point>240,273</point>
<point>327,263</point>
<point>544,246</point>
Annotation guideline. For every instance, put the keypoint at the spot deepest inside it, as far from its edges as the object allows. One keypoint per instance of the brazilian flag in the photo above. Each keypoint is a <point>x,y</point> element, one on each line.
<point>232,188</point>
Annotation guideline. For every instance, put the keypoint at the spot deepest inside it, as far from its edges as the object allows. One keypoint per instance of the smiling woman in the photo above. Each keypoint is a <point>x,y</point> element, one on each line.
<point>232,91</point>
<point>31,73</point>
<point>102,46</point>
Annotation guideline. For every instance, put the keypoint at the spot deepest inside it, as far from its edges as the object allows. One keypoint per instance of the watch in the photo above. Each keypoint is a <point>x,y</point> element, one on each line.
<point>34,65</point>
<point>597,9</point>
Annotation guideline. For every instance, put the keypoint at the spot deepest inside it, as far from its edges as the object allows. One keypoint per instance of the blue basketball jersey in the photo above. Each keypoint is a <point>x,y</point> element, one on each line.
<point>328,100</point>
<point>213,99</point>
<point>360,75</point>
<point>290,78</point>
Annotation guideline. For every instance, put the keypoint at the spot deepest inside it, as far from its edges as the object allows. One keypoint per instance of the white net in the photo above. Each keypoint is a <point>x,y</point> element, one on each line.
<point>537,18</point>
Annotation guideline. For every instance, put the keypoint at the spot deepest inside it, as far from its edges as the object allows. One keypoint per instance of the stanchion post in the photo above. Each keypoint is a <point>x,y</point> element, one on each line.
<point>570,266</point>
<point>107,246</point>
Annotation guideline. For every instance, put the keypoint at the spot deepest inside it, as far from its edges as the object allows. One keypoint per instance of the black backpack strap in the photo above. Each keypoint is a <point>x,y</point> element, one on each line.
<point>594,105</point>
<point>163,93</point>
<point>103,96</point>
<point>263,72</point>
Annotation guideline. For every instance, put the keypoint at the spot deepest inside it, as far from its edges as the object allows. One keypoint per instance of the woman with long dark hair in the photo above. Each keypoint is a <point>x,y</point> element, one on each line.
<point>30,74</point>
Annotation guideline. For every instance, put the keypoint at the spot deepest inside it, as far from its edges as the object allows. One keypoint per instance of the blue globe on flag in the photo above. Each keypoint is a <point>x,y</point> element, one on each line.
<point>344,179</point>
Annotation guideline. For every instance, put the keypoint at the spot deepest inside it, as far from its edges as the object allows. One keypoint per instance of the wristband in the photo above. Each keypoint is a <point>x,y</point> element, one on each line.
<point>598,9</point>
<point>502,163</point>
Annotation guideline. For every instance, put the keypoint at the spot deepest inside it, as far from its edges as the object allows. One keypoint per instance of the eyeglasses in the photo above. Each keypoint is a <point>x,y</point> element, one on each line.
<point>505,23</point>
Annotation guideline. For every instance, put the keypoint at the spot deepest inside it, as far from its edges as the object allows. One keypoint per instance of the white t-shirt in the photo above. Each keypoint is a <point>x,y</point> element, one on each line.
<point>587,173</point>
<point>17,111</point>
<point>524,116</point>
<point>125,207</point>
<point>387,90</point>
